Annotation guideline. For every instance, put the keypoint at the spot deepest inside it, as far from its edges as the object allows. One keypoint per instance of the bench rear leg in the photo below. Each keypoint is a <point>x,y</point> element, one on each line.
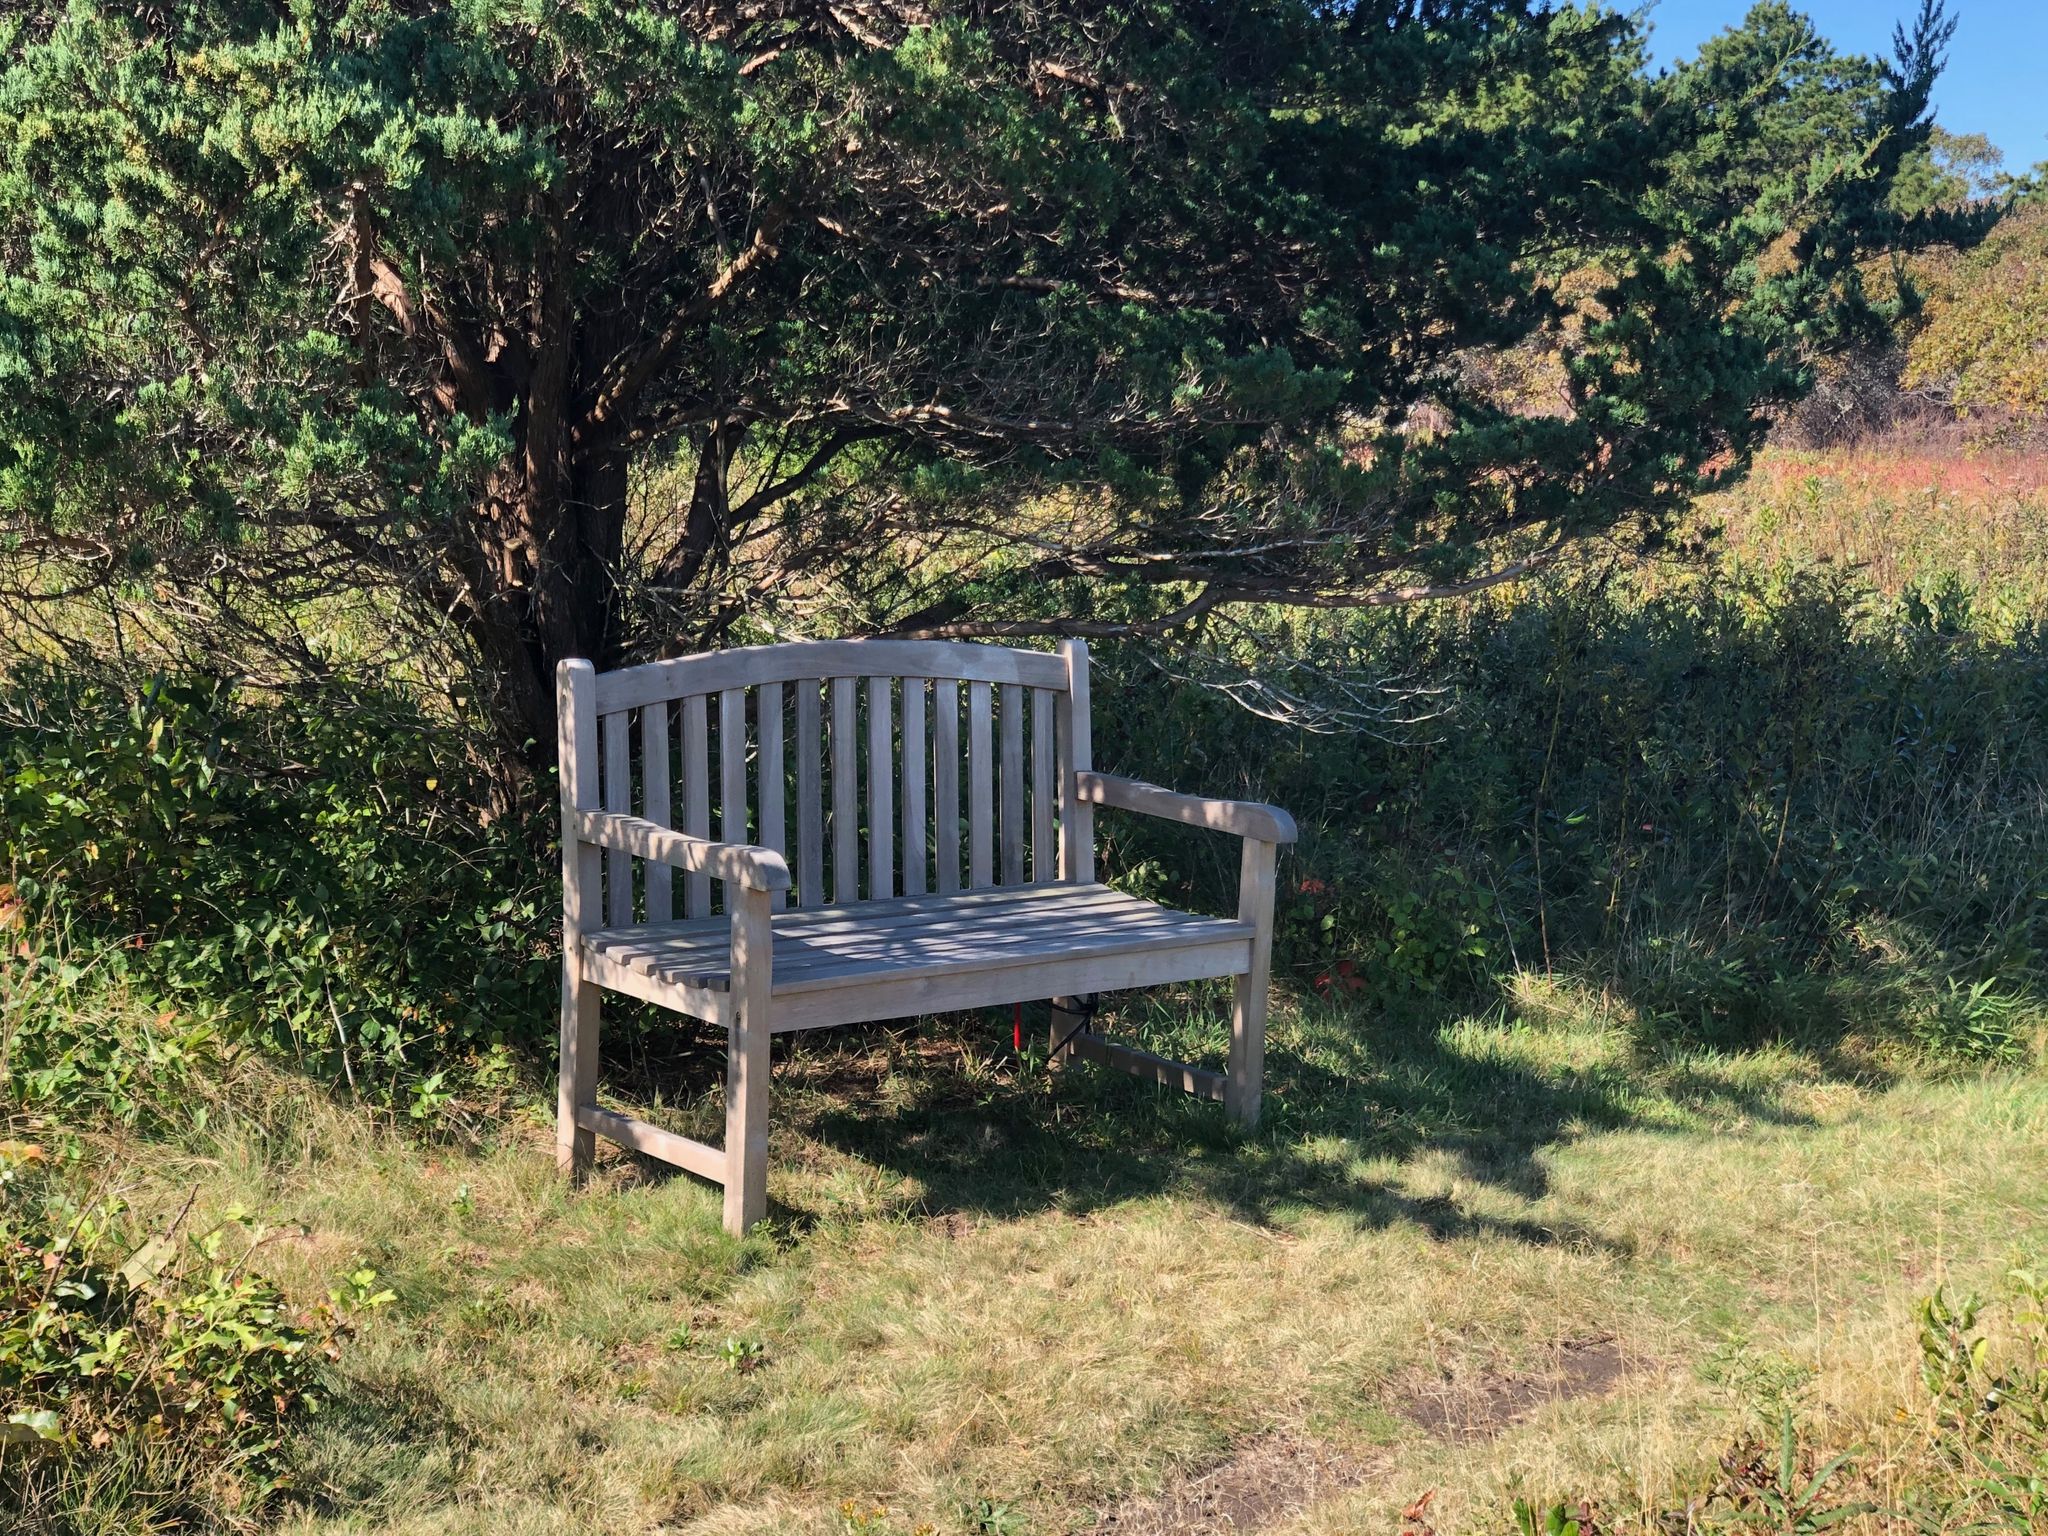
<point>1244,1079</point>
<point>746,1063</point>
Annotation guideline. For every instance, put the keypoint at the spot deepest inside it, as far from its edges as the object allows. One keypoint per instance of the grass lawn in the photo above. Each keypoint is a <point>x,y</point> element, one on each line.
<point>1534,1255</point>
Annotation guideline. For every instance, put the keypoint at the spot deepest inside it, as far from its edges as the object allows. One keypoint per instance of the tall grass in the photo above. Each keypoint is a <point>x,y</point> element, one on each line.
<point>1756,803</point>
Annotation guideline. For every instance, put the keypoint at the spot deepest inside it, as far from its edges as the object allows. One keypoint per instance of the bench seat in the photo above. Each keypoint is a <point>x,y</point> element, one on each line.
<point>971,949</point>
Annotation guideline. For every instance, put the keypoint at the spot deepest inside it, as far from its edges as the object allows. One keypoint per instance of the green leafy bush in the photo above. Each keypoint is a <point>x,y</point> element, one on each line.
<point>309,874</point>
<point>172,1355</point>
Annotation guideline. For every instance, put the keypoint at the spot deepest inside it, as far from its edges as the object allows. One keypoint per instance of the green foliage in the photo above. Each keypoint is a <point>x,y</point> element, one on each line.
<point>307,875</point>
<point>892,283</point>
<point>1551,1520</point>
<point>1983,342</point>
<point>1753,805</point>
<point>174,1356</point>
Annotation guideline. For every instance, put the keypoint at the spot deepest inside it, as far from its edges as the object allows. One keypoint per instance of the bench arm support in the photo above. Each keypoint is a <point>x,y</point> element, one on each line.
<point>758,869</point>
<point>1245,818</point>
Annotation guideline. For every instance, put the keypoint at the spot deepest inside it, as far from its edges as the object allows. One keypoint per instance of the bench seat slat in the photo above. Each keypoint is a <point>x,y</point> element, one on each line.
<point>695,961</point>
<point>911,937</point>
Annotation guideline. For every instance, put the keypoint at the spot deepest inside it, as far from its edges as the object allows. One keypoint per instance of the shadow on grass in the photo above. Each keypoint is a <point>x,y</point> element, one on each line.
<point>1350,1098</point>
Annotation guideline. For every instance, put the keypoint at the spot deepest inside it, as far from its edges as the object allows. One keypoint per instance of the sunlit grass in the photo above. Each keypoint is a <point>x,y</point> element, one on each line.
<point>982,1282</point>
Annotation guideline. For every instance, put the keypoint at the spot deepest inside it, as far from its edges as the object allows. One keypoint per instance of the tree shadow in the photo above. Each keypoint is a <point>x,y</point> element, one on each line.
<point>989,1134</point>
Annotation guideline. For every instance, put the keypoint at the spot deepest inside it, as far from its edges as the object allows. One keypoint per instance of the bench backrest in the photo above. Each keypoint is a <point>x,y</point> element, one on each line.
<point>877,768</point>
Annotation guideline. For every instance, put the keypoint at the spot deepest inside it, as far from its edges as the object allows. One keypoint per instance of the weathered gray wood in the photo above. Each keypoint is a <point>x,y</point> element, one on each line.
<point>655,806</point>
<point>981,806</point>
<point>946,783</point>
<point>698,959</point>
<point>746,1064</point>
<point>882,996</point>
<point>1247,1070</point>
<point>810,797</point>
<point>1199,1081</point>
<point>1044,852</point>
<point>761,868</point>
<point>615,732</point>
<point>576,752</point>
<point>732,767</point>
<point>872,954</point>
<point>913,772</point>
<point>845,791</point>
<point>1245,818</point>
<point>749,666</point>
<point>695,1002</point>
<point>1002,903</point>
<point>1077,818</point>
<point>1011,835</point>
<point>706,1162</point>
<point>772,786</point>
<point>902,940</point>
<point>881,791</point>
<point>697,795</point>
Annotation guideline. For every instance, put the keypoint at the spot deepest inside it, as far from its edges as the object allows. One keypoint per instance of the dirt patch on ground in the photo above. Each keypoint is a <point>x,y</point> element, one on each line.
<point>1262,1482</point>
<point>1481,1406</point>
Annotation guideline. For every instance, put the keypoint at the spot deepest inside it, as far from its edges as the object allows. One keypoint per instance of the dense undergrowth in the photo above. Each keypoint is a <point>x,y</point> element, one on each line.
<point>308,876</point>
<point>1755,806</point>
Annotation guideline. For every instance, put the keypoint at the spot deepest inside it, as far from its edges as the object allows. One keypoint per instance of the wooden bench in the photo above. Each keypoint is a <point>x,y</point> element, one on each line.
<point>880,919</point>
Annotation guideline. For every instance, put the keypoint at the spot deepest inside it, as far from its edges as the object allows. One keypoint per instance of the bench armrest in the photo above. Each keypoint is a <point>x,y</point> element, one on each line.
<point>758,869</point>
<point>1245,818</point>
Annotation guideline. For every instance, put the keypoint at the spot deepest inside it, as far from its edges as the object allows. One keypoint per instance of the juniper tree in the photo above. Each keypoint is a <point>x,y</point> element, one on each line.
<point>617,329</point>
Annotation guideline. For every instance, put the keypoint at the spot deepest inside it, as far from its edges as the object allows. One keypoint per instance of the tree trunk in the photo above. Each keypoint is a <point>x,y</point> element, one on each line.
<point>546,567</point>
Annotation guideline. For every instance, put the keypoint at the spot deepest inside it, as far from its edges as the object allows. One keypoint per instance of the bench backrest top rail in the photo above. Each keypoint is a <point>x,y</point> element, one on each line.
<point>797,660</point>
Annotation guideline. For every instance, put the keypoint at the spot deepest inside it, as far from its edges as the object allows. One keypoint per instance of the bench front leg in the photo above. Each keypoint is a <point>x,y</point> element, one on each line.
<point>746,1060</point>
<point>1244,1079</point>
<point>582,874</point>
<point>576,1087</point>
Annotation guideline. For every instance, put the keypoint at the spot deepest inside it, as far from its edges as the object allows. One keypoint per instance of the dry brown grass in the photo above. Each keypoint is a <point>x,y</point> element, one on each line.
<point>1048,1304</point>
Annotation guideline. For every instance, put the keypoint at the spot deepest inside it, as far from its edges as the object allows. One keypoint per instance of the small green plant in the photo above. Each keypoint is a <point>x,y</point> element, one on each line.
<point>1548,1520</point>
<point>1989,1418</point>
<point>993,1519</point>
<point>1974,1022</point>
<point>1776,1493</point>
<point>743,1355</point>
<point>110,1348</point>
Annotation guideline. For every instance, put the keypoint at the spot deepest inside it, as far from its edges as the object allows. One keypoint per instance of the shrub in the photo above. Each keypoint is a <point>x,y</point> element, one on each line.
<point>1755,804</point>
<point>174,1357</point>
<point>310,873</point>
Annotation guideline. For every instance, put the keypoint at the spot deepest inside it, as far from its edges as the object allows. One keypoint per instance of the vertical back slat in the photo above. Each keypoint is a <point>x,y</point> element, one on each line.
<point>946,782</point>
<point>881,791</point>
<point>1077,820</point>
<point>980,789</point>
<point>614,731</point>
<point>845,791</point>
<point>771,789</point>
<point>810,797</point>
<point>913,787</point>
<point>654,798</point>
<point>732,769</point>
<point>697,796</point>
<point>1044,860</point>
<point>1012,833</point>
